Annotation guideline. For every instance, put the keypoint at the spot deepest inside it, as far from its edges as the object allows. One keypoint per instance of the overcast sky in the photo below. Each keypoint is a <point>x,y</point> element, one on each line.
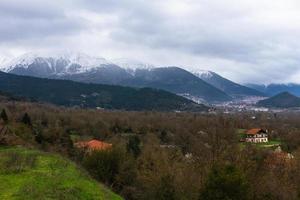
<point>244,40</point>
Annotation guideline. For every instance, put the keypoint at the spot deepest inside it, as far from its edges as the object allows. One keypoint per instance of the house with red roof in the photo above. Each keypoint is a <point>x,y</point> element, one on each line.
<point>257,135</point>
<point>93,145</point>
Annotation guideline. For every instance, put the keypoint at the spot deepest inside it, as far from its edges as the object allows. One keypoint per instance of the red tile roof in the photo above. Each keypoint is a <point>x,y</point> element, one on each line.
<point>93,145</point>
<point>254,131</point>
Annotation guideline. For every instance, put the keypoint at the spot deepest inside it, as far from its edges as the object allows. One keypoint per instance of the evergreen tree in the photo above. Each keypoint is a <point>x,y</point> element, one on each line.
<point>26,119</point>
<point>133,146</point>
<point>3,115</point>
<point>166,189</point>
<point>225,183</point>
<point>39,138</point>
<point>163,136</point>
<point>104,165</point>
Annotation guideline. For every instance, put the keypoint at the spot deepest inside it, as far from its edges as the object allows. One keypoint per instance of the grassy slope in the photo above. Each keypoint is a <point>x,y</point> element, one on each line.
<point>30,174</point>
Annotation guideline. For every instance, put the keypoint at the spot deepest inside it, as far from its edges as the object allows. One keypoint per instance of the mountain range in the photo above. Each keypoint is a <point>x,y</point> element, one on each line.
<point>273,89</point>
<point>79,67</point>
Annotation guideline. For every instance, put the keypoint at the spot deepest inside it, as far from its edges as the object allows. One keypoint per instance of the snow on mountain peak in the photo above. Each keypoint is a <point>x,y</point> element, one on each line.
<point>67,62</point>
<point>24,61</point>
<point>203,74</point>
<point>132,64</point>
<point>3,62</point>
<point>83,61</point>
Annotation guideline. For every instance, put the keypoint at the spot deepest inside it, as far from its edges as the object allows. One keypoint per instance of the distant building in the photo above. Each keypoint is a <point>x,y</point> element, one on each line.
<point>256,135</point>
<point>93,145</point>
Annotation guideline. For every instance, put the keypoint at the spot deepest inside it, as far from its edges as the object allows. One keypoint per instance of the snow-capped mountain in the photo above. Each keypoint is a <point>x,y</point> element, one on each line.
<point>132,64</point>
<point>80,67</point>
<point>233,89</point>
<point>3,62</point>
<point>203,74</point>
<point>41,65</point>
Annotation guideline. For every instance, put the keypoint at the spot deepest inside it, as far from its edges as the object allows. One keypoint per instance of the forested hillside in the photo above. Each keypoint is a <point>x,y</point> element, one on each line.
<point>69,93</point>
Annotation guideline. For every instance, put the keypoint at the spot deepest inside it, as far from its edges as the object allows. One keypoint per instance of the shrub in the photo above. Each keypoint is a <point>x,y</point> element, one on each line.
<point>15,162</point>
<point>3,115</point>
<point>26,119</point>
<point>225,183</point>
<point>166,190</point>
<point>104,165</point>
<point>133,146</point>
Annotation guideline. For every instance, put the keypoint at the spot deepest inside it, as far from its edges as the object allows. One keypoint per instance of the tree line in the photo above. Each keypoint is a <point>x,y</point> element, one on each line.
<point>167,156</point>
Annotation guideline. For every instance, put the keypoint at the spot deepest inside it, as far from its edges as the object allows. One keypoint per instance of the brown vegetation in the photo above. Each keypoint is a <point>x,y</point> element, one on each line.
<point>168,155</point>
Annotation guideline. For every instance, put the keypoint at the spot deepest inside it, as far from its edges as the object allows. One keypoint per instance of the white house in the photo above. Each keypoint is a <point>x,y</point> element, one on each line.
<point>257,135</point>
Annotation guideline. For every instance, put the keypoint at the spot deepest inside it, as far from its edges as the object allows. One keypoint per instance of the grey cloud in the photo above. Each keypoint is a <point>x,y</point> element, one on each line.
<point>30,9</point>
<point>32,19</point>
<point>259,39</point>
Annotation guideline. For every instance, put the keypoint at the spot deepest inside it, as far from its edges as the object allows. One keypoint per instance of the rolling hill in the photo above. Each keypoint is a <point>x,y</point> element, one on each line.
<point>282,100</point>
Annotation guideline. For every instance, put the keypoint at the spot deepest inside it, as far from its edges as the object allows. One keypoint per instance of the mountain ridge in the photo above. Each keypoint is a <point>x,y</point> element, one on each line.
<point>70,93</point>
<point>281,100</point>
<point>83,68</point>
<point>233,89</point>
<point>273,89</point>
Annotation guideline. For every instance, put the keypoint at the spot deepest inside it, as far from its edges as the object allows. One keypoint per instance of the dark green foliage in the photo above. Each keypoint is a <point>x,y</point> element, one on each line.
<point>26,119</point>
<point>104,165</point>
<point>68,93</point>
<point>4,116</point>
<point>133,146</point>
<point>66,141</point>
<point>225,183</point>
<point>282,100</point>
<point>39,138</point>
<point>126,178</point>
<point>166,190</point>
<point>163,136</point>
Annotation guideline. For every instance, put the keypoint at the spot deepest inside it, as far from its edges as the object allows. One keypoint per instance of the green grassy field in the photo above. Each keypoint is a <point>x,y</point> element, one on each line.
<point>30,174</point>
<point>271,143</point>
